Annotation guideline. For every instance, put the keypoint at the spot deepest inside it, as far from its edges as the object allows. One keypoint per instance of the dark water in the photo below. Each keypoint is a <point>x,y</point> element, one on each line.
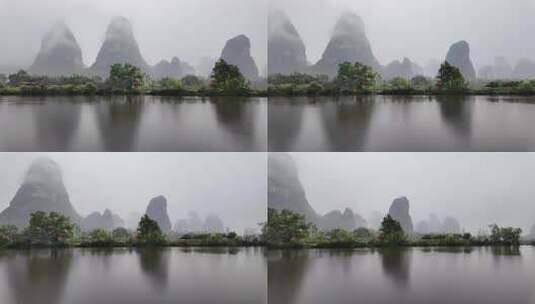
<point>172,275</point>
<point>132,124</point>
<point>403,276</point>
<point>386,123</point>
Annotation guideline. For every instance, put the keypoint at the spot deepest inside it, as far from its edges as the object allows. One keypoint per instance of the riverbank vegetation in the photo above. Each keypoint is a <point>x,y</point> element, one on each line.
<point>355,79</point>
<point>125,79</point>
<point>286,229</point>
<point>55,230</point>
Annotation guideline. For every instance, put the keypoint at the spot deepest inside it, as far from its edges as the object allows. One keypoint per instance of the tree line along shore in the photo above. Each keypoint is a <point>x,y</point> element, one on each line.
<point>126,79</point>
<point>227,80</point>
<point>287,229</point>
<point>284,229</point>
<point>54,230</point>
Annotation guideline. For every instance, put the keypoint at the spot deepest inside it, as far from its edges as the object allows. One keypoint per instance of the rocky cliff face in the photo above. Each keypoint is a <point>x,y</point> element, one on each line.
<point>348,43</point>
<point>120,46</point>
<point>399,210</point>
<point>459,56</point>
<point>286,50</point>
<point>285,190</point>
<point>157,211</point>
<point>42,190</point>
<point>237,51</point>
<point>174,68</point>
<point>59,55</point>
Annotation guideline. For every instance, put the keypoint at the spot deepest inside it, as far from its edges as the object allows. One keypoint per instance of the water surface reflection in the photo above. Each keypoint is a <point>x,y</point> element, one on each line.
<point>412,275</point>
<point>401,123</point>
<point>165,275</point>
<point>133,123</point>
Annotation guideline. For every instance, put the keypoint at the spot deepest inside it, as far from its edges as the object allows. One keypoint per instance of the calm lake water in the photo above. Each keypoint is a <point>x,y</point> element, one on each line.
<point>387,123</point>
<point>138,123</point>
<point>403,276</point>
<point>136,276</point>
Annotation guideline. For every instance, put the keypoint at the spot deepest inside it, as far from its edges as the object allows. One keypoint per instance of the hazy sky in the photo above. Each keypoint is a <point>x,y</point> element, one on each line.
<point>164,28</point>
<point>476,188</point>
<point>422,29</point>
<point>231,185</point>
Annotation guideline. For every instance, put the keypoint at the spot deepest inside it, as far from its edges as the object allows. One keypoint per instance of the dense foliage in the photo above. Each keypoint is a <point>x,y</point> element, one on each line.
<point>148,231</point>
<point>53,230</point>
<point>356,78</point>
<point>285,228</point>
<point>450,78</point>
<point>126,79</point>
<point>228,80</point>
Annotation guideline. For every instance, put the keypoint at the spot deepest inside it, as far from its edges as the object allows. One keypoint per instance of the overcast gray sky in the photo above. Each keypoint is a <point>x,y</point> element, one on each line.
<point>164,28</point>
<point>422,29</point>
<point>231,185</point>
<point>476,188</point>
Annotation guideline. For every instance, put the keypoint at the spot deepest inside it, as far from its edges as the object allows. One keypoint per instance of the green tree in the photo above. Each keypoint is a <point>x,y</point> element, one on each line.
<point>20,76</point>
<point>450,78</point>
<point>125,78</point>
<point>149,232</point>
<point>8,234</point>
<point>506,235</point>
<point>421,82</point>
<point>355,78</point>
<point>399,83</point>
<point>362,234</point>
<point>121,234</point>
<point>49,228</point>
<point>168,83</point>
<point>340,236</point>
<point>100,236</point>
<point>392,232</point>
<point>285,227</point>
<point>228,80</point>
<point>192,82</point>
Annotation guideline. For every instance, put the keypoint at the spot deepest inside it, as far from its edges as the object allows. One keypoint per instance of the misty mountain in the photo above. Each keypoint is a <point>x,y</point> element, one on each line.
<point>237,51</point>
<point>399,211</point>
<point>120,46</point>
<point>194,224</point>
<point>405,69</point>
<point>157,211</point>
<point>285,190</point>
<point>174,69</point>
<point>106,220</point>
<point>286,49</point>
<point>433,225</point>
<point>59,55</point>
<point>459,56</point>
<point>500,69</point>
<point>204,66</point>
<point>41,190</point>
<point>524,69</point>
<point>348,43</point>
<point>347,220</point>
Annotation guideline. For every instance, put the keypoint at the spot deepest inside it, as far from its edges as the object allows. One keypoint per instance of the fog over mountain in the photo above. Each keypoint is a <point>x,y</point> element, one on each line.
<point>189,30</point>
<point>444,190</point>
<point>229,185</point>
<point>421,30</point>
